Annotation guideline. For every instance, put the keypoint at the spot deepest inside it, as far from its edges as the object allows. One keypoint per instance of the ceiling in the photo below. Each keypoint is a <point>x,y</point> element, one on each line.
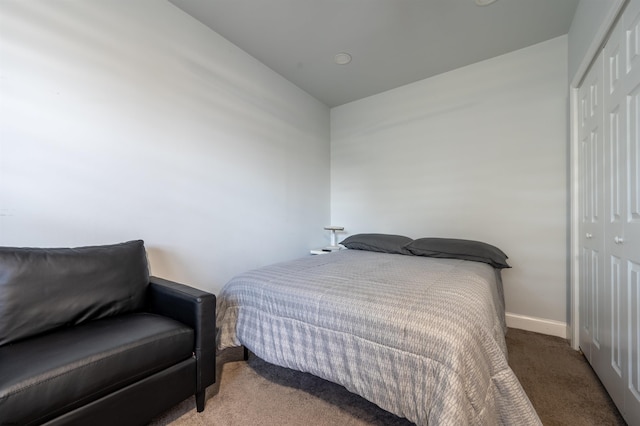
<point>392,42</point>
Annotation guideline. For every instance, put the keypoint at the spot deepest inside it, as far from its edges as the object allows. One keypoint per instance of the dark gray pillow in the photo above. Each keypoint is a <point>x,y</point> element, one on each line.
<point>459,249</point>
<point>383,243</point>
<point>45,288</point>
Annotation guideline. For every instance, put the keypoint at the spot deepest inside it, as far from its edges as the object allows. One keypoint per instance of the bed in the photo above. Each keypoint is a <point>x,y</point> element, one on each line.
<point>412,328</point>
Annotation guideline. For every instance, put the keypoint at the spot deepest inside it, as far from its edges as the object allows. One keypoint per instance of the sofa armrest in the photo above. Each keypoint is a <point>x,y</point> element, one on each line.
<point>192,307</point>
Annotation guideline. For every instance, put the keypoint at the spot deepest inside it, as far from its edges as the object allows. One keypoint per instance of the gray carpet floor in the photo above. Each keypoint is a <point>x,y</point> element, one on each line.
<point>558,380</point>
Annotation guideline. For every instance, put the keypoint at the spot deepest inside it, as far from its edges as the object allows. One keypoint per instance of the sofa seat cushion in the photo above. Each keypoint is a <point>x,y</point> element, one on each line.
<point>45,376</point>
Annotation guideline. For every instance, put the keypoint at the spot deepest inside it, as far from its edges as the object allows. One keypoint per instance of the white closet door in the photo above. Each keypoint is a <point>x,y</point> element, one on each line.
<point>629,239</point>
<point>613,370</point>
<point>592,295</point>
<point>609,156</point>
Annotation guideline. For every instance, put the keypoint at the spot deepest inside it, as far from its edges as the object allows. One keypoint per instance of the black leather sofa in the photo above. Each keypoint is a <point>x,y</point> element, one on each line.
<point>88,338</point>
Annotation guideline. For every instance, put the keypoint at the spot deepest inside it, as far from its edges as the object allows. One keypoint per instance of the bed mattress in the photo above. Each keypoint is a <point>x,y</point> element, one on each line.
<point>423,338</point>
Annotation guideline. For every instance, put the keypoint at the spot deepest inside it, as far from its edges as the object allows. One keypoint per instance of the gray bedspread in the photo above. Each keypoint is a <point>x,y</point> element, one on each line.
<point>420,337</point>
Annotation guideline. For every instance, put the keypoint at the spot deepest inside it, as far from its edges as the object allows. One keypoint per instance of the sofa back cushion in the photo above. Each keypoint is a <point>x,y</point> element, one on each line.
<point>46,288</point>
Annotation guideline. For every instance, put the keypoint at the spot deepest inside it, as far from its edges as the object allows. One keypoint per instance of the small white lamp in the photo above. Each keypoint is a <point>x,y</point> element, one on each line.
<point>334,242</point>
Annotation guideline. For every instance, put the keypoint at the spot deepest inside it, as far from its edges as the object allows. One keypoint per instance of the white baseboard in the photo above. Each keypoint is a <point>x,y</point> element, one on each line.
<point>538,325</point>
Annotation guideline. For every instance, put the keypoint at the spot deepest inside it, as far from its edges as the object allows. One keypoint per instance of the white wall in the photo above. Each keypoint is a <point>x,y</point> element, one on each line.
<point>122,120</point>
<point>477,153</point>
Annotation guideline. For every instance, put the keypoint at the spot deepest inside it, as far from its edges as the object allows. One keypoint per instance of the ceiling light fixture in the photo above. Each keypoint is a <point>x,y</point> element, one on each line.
<point>342,58</point>
<point>484,2</point>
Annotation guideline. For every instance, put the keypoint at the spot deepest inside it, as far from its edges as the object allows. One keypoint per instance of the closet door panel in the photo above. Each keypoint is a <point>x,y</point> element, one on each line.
<point>612,371</point>
<point>591,205</point>
<point>594,343</point>
<point>629,240</point>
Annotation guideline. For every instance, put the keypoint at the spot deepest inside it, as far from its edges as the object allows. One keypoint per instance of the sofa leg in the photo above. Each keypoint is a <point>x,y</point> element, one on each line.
<point>200,401</point>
